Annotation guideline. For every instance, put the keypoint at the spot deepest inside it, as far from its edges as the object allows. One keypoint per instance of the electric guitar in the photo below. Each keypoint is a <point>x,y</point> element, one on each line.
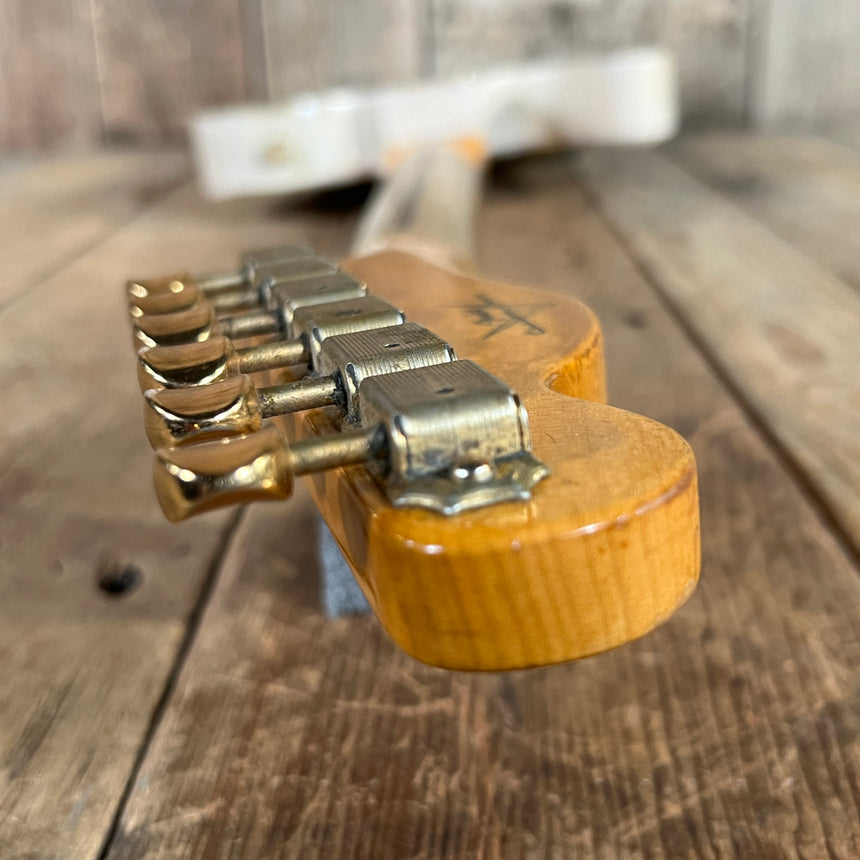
<point>495,511</point>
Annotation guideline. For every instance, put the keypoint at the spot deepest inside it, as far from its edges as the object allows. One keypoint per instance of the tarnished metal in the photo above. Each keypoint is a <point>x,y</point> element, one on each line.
<point>288,297</point>
<point>258,467</point>
<point>352,358</point>
<point>439,433</point>
<point>457,437</point>
<point>234,406</point>
<point>315,324</point>
<point>251,264</point>
<point>251,325</point>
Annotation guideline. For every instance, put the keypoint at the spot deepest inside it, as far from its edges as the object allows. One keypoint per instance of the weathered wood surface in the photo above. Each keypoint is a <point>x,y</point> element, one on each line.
<point>52,211</point>
<point>806,64</point>
<point>806,189</point>
<point>731,731</point>
<point>709,39</point>
<point>329,43</point>
<point>49,93</point>
<point>159,62</point>
<point>782,327</point>
<point>78,73</point>
<point>83,671</point>
<point>81,73</point>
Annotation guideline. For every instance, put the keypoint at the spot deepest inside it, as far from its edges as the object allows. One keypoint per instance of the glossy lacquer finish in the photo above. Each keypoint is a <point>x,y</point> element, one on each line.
<point>607,548</point>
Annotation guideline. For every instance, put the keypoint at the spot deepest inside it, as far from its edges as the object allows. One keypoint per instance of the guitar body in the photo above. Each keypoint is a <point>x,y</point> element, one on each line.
<point>606,549</point>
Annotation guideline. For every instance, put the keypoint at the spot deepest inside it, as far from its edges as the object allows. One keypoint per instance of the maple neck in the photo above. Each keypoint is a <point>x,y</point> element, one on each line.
<point>428,205</point>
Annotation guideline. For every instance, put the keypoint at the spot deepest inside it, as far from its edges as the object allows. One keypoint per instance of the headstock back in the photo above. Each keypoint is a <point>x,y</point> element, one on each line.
<point>605,550</point>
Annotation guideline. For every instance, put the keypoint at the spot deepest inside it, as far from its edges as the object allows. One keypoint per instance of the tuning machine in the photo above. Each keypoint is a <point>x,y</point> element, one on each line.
<point>447,437</point>
<point>247,289</point>
<point>201,321</point>
<point>342,362</point>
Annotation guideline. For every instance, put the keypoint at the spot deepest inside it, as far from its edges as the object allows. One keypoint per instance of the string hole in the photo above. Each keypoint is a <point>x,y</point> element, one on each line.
<point>445,391</point>
<point>391,345</point>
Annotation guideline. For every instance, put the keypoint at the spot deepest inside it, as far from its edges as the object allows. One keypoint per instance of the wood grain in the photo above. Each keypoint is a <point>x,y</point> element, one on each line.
<point>49,91</point>
<point>709,40</point>
<point>159,62</point>
<point>806,189</point>
<point>806,66</point>
<point>607,547</point>
<point>309,46</point>
<point>730,731</point>
<point>51,211</point>
<point>782,327</point>
<point>83,671</point>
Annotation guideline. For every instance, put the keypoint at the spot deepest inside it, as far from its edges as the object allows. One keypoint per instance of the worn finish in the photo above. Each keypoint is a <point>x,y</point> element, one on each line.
<point>782,327</point>
<point>49,90</point>
<point>807,65</point>
<point>806,189</point>
<point>730,730</point>
<point>709,39</point>
<point>310,46</point>
<point>77,73</point>
<point>52,211</point>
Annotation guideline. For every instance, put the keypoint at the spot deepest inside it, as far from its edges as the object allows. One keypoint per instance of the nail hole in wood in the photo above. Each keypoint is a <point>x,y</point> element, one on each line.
<point>118,579</point>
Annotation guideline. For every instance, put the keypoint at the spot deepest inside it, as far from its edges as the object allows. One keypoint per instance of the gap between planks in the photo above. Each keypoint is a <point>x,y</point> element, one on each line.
<point>781,327</point>
<point>83,672</point>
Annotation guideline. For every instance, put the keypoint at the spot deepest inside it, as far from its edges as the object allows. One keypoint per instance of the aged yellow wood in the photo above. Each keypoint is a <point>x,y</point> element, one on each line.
<point>607,548</point>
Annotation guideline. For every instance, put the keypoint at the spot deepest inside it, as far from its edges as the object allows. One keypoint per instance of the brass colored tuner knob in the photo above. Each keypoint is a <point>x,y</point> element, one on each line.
<point>150,287</point>
<point>193,324</point>
<point>228,408</point>
<point>188,364</point>
<point>182,298</point>
<point>199,478</point>
<point>257,467</point>
<point>212,360</point>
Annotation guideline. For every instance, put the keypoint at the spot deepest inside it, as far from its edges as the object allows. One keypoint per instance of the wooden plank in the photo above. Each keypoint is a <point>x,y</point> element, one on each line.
<point>782,327</point>
<point>49,90</point>
<point>806,68</point>
<point>330,43</point>
<point>82,670</point>
<point>806,189</point>
<point>52,210</point>
<point>729,731</point>
<point>709,40</point>
<point>159,62</point>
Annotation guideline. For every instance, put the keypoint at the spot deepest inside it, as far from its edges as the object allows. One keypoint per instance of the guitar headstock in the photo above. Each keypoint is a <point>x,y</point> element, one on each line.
<point>502,515</point>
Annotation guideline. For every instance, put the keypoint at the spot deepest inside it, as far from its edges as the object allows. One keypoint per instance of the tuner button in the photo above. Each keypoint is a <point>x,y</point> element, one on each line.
<point>199,478</point>
<point>181,415</point>
<point>156,286</point>
<point>166,303</point>
<point>200,363</point>
<point>196,323</point>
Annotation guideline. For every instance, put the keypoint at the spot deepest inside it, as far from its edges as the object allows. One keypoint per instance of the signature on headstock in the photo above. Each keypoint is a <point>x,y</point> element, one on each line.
<point>499,317</point>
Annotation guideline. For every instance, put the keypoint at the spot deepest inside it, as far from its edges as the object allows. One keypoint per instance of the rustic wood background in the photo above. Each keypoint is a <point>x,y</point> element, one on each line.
<point>212,711</point>
<point>78,74</point>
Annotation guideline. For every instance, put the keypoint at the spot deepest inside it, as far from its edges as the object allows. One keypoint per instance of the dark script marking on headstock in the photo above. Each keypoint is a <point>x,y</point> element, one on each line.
<point>499,317</point>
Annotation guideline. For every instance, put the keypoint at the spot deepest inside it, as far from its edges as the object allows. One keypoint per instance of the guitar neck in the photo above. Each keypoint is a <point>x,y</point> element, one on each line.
<point>428,205</point>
